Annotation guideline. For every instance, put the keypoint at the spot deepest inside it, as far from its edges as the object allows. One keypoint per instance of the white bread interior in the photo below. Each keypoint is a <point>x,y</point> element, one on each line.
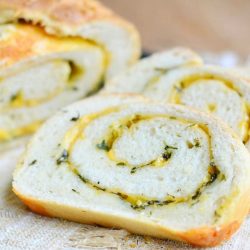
<point>153,169</point>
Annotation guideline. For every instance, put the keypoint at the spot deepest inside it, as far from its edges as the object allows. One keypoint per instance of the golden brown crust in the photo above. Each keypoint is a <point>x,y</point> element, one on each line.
<point>209,237</point>
<point>87,19</point>
<point>23,41</point>
<point>201,237</point>
<point>71,12</point>
<point>19,45</point>
<point>35,207</point>
<point>11,49</point>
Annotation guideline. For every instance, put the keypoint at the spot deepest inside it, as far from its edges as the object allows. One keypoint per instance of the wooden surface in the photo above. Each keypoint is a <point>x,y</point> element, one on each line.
<point>213,25</point>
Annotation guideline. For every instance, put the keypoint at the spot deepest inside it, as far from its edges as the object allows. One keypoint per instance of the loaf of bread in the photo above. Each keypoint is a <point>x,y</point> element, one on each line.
<point>220,91</point>
<point>53,53</point>
<point>153,169</point>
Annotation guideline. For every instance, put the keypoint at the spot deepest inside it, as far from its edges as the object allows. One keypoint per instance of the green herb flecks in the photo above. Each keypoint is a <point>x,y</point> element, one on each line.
<point>33,162</point>
<point>178,89</point>
<point>82,178</point>
<point>217,215</point>
<point>161,70</point>
<point>75,191</point>
<point>168,152</point>
<point>164,70</point>
<point>197,193</point>
<point>74,88</point>
<point>214,173</point>
<point>88,182</point>
<point>191,125</point>
<point>63,158</point>
<point>120,164</point>
<point>103,146</point>
<point>15,96</point>
<point>133,170</point>
<point>75,118</point>
<point>196,143</point>
<point>142,205</point>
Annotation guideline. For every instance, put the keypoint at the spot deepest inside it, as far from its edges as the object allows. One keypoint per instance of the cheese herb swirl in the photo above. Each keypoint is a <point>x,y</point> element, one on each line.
<point>216,90</point>
<point>126,128</point>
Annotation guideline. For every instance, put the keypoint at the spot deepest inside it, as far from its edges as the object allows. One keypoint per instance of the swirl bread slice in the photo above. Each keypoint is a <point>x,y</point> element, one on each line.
<point>153,169</point>
<point>220,91</point>
<point>53,53</point>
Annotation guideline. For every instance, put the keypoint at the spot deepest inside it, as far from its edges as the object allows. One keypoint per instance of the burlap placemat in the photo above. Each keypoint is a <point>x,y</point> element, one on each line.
<point>21,229</point>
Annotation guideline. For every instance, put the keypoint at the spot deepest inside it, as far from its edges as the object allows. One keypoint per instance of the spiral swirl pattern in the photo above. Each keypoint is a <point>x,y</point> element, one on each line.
<point>126,155</point>
<point>120,145</point>
<point>207,88</point>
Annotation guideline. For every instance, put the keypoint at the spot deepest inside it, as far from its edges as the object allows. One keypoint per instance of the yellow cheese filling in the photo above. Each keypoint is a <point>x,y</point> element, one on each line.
<point>19,100</point>
<point>192,79</point>
<point>6,135</point>
<point>212,107</point>
<point>224,203</point>
<point>160,71</point>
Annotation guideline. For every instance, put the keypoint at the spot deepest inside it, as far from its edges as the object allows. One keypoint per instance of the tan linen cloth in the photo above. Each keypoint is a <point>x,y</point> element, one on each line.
<point>22,229</point>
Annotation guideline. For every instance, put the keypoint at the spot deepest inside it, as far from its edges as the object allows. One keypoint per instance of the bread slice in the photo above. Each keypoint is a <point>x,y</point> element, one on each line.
<point>54,53</point>
<point>153,169</point>
<point>216,90</point>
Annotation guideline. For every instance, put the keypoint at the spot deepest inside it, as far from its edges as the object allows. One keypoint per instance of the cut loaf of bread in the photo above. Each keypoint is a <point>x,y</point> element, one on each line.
<point>53,53</point>
<point>220,91</point>
<point>153,169</point>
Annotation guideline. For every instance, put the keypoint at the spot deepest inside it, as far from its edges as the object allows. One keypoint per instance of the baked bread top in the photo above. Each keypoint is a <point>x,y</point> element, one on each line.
<point>22,43</point>
<point>70,13</point>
